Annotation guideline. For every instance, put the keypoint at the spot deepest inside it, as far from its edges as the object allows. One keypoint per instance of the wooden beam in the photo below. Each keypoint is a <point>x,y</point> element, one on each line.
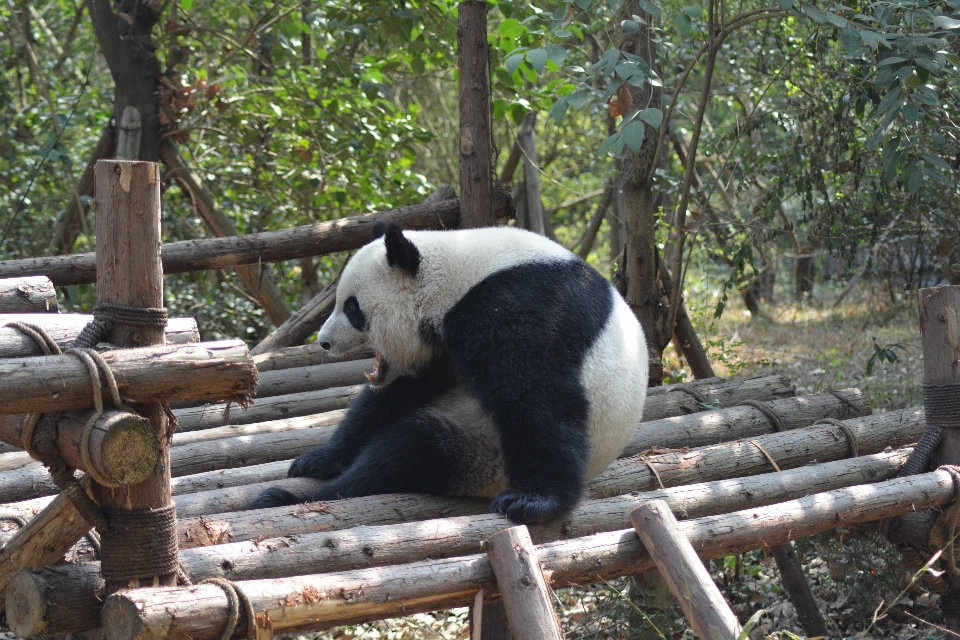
<point>689,581</point>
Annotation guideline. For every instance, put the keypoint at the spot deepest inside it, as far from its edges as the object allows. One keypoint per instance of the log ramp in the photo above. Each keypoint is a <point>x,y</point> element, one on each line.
<point>740,463</point>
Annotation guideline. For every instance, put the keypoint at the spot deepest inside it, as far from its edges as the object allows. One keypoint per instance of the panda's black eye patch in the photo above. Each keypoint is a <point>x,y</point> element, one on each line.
<point>351,308</point>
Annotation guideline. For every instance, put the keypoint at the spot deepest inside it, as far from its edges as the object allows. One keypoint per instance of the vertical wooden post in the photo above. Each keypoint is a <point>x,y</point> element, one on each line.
<point>795,584</point>
<point>129,272</point>
<point>525,594</point>
<point>476,147</point>
<point>488,619</point>
<point>689,582</point>
<point>940,330</point>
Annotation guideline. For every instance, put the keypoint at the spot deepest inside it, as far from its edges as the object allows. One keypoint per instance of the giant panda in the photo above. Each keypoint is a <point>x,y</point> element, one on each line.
<point>506,367</point>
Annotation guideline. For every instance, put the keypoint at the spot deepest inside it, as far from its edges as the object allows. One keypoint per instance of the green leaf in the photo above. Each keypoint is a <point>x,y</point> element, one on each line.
<point>186,4</point>
<point>938,139</point>
<point>512,28</point>
<point>537,58</point>
<point>558,110</point>
<point>499,109</point>
<point>933,174</point>
<point>513,62</point>
<point>615,4</point>
<point>609,142</point>
<point>650,8</point>
<point>752,622</point>
<point>578,98</point>
<point>683,24</point>
<point>626,69</point>
<point>944,22</point>
<point>556,53</point>
<point>910,113</point>
<point>817,15</point>
<point>869,38</point>
<point>850,39</point>
<point>787,4</point>
<point>633,135</point>
<point>937,161</point>
<point>630,26</point>
<point>914,182</point>
<point>653,116</point>
<point>612,89</point>
<point>694,12</point>
<point>583,4</point>
<point>835,20</point>
<point>891,60</point>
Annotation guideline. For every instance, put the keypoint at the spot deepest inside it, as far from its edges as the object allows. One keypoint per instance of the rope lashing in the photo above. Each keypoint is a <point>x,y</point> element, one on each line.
<point>703,403</point>
<point>237,598</point>
<point>106,314</point>
<point>847,404</point>
<point>851,437</point>
<point>942,411</point>
<point>138,543</point>
<point>772,415</point>
<point>17,520</point>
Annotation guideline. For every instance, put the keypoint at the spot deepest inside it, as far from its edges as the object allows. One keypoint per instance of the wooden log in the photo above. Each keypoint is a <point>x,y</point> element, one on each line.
<point>674,402</point>
<point>34,294</point>
<point>122,446</point>
<point>15,459</point>
<point>476,140</point>
<point>525,594</point>
<point>304,355</point>
<point>940,329</point>
<point>129,273</point>
<point>689,581</point>
<point>706,428</point>
<point>329,599</point>
<point>342,545</point>
<point>267,409</point>
<point>208,371</point>
<point>317,420</point>
<point>52,598</point>
<point>64,328</point>
<point>270,246</point>
<point>320,376</point>
<point>789,449</point>
<point>488,619</point>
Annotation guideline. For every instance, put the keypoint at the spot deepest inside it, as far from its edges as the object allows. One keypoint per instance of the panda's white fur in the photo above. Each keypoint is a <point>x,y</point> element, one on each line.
<point>404,310</point>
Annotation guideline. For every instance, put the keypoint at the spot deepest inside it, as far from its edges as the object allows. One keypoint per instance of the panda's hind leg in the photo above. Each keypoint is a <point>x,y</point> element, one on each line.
<point>416,455</point>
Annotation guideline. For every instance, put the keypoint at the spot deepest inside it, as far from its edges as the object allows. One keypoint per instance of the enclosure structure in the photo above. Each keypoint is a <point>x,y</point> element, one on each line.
<point>177,437</point>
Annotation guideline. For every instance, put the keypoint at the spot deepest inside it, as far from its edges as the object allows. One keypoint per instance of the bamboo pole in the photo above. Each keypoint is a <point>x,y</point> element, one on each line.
<point>342,545</point>
<point>206,371</point>
<point>34,294</point>
<point>689,582</point>
<point>525,594</point>
<point>319,601</point>
<point>64,328</point>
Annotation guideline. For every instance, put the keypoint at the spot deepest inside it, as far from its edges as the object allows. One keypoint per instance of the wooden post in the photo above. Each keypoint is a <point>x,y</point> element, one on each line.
<point>488,619</point>
<point>689,582</point>
<point>525,594</point>
<point>940,330</point>
<point>476,166</point>
<point>795,584</point>
<point>129,272</point>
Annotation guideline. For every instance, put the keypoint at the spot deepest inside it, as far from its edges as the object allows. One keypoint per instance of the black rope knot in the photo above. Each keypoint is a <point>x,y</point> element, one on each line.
<point>106,314</point>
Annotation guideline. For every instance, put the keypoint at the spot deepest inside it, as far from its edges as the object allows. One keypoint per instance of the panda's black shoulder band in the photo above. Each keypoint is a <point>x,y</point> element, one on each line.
<point>379,228</point>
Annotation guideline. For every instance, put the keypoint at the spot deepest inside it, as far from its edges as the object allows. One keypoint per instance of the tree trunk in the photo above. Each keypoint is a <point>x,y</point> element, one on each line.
<point>75,219</point>
<point>476,142</point>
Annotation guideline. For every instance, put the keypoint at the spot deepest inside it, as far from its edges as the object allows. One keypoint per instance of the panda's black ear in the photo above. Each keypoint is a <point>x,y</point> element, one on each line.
<point>379,228</point>
<point>400,251</point>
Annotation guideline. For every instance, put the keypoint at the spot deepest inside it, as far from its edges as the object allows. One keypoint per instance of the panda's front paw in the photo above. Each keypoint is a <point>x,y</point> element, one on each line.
<point>275,497</point>
<point>317,463</point>
<point>526,507</point>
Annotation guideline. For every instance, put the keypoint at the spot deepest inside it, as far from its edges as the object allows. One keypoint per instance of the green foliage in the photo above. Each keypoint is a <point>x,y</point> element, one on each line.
<point>883,354</point>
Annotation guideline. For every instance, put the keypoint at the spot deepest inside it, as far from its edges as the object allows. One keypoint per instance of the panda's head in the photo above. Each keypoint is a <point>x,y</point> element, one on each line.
<point>377,305</point>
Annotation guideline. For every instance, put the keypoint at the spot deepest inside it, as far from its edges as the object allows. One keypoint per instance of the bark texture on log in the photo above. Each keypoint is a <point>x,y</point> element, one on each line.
<point>270,246</point>
<point>319,601</point>
<point>205,371</point>
<point>305,355</point>
<point>525,593</point>
<point>370,546</point>
<point>476,141</point>
<point>725,425</point>
<point>64,328</point>
<point>689,581</point>
<point>277,408</point>
<point>33,294</point>
<point>315,378</point>
<point>672,401</point>
<point>53,598</point>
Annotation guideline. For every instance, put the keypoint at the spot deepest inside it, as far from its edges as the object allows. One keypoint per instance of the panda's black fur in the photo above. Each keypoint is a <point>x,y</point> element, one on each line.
<point>494,397</point>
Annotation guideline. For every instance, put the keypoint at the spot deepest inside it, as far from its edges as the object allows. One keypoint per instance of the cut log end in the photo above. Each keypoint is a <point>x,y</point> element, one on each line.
<point>26,605</point>
<point>121,620</point>
<point>130,449</point>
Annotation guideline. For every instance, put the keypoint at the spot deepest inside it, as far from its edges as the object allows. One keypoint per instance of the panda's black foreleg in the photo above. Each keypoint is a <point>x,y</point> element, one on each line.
<point>416,455</point>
